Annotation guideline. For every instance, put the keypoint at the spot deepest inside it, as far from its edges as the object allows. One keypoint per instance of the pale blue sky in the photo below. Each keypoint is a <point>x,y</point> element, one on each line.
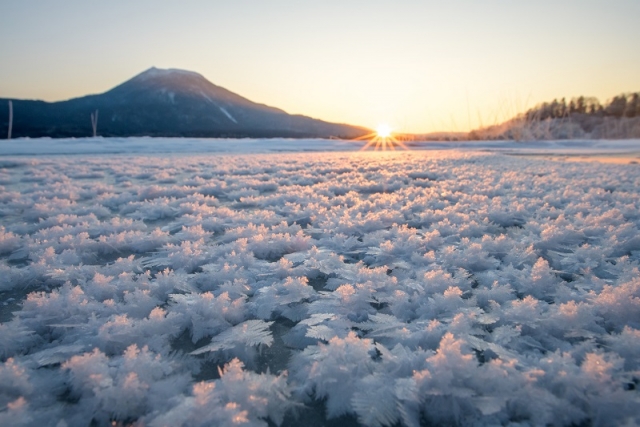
<point>418,65</point>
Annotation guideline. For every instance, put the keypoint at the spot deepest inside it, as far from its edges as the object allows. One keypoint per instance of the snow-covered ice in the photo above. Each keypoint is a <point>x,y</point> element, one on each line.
<point>147,145</point>
<point>297,288</point>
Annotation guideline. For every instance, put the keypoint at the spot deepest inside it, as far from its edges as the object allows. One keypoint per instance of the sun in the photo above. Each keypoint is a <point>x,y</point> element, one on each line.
<point>383,130</point>
<point>382,139</point>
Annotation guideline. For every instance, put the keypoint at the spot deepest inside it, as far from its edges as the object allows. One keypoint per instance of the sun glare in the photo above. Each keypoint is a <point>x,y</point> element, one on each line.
<point>383,130</point>
<point>382,139</point>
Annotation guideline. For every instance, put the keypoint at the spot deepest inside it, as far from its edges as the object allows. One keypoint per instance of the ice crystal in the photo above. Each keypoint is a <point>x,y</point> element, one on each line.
<point>440,288</point>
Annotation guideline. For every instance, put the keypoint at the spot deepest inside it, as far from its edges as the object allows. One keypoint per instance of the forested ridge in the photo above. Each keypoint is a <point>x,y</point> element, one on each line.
<point>580,117</point>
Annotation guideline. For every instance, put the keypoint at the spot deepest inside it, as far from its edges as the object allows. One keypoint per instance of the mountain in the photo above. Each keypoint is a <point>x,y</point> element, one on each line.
<point>165,102</point>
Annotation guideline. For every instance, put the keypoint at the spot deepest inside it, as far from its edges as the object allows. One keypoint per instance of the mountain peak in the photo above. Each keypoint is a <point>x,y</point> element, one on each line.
<point>154,72</point>
<point>168,81</point>
<point>170,102</point>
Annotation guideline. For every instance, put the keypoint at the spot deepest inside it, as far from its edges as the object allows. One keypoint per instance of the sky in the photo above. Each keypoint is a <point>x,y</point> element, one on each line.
<point>419,66</point>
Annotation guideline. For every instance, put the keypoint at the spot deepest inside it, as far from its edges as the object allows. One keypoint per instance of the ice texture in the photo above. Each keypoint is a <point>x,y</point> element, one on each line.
<point>380,289</point>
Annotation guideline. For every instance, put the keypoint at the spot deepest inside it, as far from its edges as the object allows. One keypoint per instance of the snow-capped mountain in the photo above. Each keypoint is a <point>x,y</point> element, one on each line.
<point>166,102</point>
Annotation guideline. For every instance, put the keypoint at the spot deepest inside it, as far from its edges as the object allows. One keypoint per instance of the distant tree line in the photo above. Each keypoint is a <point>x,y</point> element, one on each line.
<point>624,105</point>
<point>580,118</point>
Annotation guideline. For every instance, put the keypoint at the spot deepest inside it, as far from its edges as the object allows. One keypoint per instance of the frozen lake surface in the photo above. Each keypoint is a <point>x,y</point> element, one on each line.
<point>145,145</point>
<point>165,282</point>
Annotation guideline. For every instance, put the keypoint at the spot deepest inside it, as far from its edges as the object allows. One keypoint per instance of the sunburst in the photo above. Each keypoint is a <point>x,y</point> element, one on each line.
<point>382,139</point>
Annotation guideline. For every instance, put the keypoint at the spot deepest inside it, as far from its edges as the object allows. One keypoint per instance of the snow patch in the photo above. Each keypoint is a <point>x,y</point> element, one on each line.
<point>154,72</point>
<point>205,96</point>
<point>226,113</point>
